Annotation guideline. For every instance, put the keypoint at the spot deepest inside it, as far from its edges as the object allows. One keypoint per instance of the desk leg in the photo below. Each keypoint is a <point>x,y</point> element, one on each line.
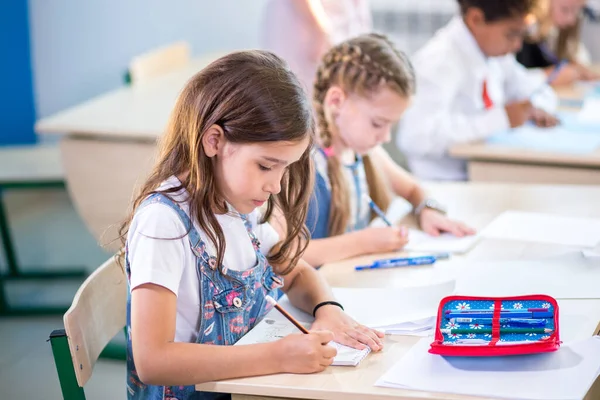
<point>16,274</point>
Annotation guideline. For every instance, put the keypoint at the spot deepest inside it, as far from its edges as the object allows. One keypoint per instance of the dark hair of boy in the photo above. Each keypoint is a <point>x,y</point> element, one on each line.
<point>497,10</point>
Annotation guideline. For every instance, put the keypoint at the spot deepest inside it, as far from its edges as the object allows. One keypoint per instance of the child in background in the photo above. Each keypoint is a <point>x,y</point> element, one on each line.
<point>470,86</point>
<point>200,259</point>
<point>302,31</point>
<point>362,88</point>
<point>554,37</point>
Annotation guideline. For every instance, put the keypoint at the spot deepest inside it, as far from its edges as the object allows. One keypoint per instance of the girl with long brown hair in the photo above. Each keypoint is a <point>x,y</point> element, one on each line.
<point>554,36</point>
<point>200,257</point>
<point>363,87</point>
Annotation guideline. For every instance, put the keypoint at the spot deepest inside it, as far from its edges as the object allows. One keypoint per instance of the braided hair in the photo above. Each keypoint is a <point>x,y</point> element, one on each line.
<point>360,65</point>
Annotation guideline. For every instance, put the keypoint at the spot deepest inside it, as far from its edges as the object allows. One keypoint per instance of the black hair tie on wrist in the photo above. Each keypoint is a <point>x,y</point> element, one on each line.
<point>325,303</point>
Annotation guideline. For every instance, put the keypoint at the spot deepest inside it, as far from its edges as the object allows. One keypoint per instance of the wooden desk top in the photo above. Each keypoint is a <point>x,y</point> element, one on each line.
<point>136,112</point>
<point>477,204</point>
<point>482,151</point>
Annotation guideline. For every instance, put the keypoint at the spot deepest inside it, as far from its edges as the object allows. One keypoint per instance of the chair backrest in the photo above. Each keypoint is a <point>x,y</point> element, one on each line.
<point>97,313</point>
<point>159,61</point>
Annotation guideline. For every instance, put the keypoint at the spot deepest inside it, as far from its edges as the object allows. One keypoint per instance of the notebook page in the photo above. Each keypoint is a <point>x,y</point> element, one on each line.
<point>445,243</point>
<point>274,327</point>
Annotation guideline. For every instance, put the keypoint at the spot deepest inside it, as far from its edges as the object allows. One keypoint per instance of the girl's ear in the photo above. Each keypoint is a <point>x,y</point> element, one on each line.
<point>334,99</point>
<point>213,140</point>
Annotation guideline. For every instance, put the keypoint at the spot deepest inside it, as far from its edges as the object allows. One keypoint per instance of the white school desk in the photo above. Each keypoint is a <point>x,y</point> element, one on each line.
<point>496,163</point>
<point>476,203</point>
<point>109,145</point>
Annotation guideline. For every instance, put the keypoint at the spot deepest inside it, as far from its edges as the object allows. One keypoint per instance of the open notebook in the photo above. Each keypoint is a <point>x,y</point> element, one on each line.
<point>274,327</point>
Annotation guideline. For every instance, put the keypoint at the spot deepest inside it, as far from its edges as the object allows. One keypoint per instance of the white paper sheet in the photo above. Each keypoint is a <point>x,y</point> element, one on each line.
<point>544,228</point>
<point>392,307</point>
<point>570,276</point>
<point>562,375</point>
<point>590,110</point>
<point>591,254</point>
<point>445,243</point>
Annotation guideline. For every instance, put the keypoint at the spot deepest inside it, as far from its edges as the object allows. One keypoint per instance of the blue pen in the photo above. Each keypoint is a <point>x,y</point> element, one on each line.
<point>509,321</point>
<point>397,262</point>
<point>491,311</point>
<point>422,260</point>
<point>377,210</point>
<point>523,314</point>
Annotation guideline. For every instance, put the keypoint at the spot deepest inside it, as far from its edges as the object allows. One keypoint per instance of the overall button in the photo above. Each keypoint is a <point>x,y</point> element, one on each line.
<point>237,302</point>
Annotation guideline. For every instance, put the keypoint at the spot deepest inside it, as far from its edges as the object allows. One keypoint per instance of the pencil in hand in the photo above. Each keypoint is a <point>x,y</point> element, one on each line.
<point>286,314</point>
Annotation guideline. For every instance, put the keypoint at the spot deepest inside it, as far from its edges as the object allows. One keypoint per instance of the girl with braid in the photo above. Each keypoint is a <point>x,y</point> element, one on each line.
<point>362,88</point>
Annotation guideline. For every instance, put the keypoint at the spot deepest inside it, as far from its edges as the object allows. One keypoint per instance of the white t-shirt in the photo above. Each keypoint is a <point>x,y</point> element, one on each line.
<point>172,264</point>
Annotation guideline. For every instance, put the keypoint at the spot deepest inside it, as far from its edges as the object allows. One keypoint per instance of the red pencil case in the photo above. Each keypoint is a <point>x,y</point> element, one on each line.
<point>494,326</point>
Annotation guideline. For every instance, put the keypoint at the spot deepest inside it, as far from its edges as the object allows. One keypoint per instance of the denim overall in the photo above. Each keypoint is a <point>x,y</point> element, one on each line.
<point>231,305</point>
<point>317,219</point>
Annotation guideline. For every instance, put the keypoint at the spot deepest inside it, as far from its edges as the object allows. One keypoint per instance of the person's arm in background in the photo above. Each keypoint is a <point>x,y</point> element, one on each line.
<point>431,126</point>
<point>313,12</point>
<point>406,186</point>
<point>327,249</point>
<point>520,87</point>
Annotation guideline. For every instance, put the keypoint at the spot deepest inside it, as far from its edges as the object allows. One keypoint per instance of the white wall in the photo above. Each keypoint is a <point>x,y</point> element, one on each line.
<point>81,48</point>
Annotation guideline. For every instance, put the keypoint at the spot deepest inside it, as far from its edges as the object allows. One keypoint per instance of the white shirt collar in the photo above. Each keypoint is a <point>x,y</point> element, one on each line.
<point>462,36</point>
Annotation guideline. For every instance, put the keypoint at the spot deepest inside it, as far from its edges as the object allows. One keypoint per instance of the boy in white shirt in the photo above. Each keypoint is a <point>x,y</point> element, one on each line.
<point>469,86</point>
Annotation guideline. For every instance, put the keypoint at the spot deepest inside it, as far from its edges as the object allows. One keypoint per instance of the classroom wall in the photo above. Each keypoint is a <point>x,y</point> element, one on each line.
<point>591,33</point>
<point>590,36</point>
<point>81,49</point>
<point>16,98</point>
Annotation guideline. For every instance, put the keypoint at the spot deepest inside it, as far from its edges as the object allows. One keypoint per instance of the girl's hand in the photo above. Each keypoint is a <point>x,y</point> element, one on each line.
<point>384,239</point>
<point>305,354</point>
<point>435,223</point>
<point>347,331</point>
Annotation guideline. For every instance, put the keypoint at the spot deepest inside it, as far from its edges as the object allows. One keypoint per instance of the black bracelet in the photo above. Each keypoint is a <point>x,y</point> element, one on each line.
<point>325,303</point>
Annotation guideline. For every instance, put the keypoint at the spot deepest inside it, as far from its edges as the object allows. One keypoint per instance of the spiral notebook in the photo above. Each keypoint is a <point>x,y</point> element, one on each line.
<point>274,327</point>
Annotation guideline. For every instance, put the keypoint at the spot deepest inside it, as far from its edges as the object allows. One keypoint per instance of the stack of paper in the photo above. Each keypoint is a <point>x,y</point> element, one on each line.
<point>544,228</point>
<point>579,123</point>
<point>589,112</point>
<point>570,276</point>
<point>445,243</point>
<point>565,374</point>
<point>591,254</point>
